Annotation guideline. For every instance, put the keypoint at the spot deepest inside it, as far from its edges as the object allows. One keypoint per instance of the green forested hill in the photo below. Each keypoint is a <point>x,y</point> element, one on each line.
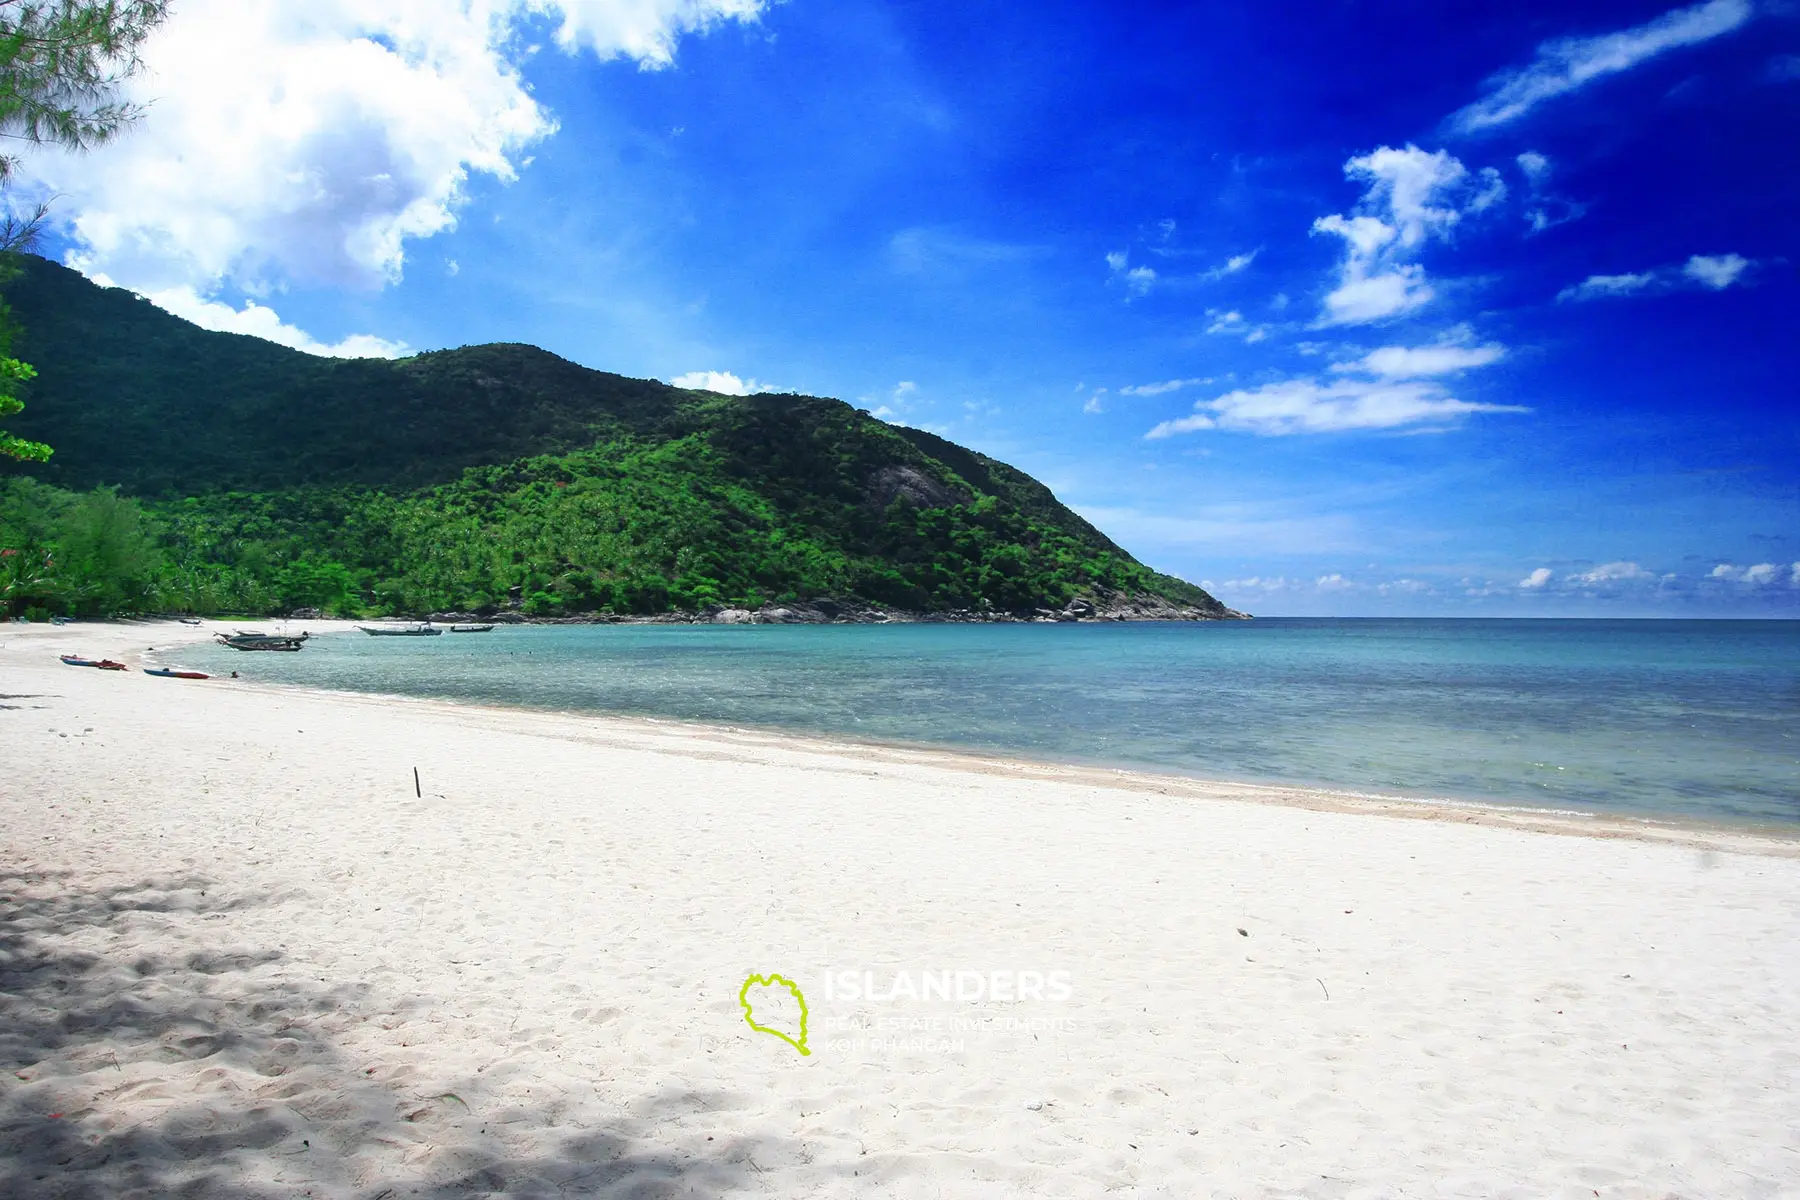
<point>253,477</point>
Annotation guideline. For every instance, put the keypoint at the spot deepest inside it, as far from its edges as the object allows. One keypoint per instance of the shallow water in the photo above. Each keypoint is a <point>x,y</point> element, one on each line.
<point>1669,718</point>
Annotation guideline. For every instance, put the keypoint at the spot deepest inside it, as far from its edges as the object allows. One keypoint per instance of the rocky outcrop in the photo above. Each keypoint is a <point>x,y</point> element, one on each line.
<point>1101,607</point>
<point>891,483</point>
<point>809,612</point>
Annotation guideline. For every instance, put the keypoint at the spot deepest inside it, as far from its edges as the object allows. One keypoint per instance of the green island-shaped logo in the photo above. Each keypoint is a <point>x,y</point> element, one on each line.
<point>798,1041</point>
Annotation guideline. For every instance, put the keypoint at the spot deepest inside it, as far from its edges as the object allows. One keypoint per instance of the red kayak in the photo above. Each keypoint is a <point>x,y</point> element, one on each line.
<point>176,673</point>
<point>105,664</point>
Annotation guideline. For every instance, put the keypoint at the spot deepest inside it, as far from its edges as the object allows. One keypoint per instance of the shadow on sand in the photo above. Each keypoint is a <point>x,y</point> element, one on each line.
<point>212,1073</point>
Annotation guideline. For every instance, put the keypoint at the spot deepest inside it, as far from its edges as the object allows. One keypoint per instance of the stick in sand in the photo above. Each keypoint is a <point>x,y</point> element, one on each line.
<point>416,791</point>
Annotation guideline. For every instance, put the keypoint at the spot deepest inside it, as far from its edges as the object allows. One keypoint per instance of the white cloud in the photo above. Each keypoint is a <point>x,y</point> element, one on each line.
<point>1546,211</point>
<point>1231,266</point>
<point>1609,573</point>
<point>1406,183</point>
<point>1397,393</point>
<point>1234,324</point>
<point>645,30</point>
<point>1416,362</point>
<point>1412,197</point>
<point>1363,298</point>
<point>1093,404</point>
<point>1258,583</point>
<point>1137,281</point>
<point>260,321</point>
<point>1760,575</point>
<point>902,398</point>
<point>1493,191</point>
<point>309,143</point>
<point>723,382</point>
<point>1566,64</point>
<point>1158,389</point>
<point>1716,271</point>
<point>1308,406</point>
<point>1333,583</point>
<point>1537,580</point>
<point>1597,286</point>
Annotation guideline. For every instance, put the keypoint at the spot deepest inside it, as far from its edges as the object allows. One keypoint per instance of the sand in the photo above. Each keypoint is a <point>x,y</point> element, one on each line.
<point>240,957</point>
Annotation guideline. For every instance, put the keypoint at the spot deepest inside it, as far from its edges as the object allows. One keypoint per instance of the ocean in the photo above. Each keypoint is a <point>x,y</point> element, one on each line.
<point>1685,719</point>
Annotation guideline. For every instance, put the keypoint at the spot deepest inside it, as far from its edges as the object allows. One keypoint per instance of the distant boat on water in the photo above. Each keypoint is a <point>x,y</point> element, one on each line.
<point>477,628</point>
<point>426,630</point>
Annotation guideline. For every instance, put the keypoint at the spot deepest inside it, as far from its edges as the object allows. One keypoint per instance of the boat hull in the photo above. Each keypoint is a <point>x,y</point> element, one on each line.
<point>102,664</point>
<point>247,641</point>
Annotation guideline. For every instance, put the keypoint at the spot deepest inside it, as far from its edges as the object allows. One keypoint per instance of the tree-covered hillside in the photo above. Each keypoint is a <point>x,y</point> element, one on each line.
<point>255,478</point>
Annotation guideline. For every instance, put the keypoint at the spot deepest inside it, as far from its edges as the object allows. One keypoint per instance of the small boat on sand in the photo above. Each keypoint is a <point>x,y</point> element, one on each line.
<point>189,620</point>
<point>471,629</point>
<point>400,630</point>
<point>175,673</point>
<point>104,664</point>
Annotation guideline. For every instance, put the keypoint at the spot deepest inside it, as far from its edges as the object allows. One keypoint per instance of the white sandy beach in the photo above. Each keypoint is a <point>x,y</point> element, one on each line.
<point>239,957</point>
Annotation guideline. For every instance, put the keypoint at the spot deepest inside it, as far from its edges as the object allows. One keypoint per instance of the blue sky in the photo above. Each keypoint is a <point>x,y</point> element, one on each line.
<point>1340,308</point>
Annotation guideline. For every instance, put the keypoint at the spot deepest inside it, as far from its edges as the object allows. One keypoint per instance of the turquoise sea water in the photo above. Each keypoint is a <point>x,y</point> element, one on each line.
<point>1657,718</point>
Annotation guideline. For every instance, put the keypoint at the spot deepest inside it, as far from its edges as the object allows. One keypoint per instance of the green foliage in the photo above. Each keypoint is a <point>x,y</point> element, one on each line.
<point>12,374</point>
<point>499,477</point>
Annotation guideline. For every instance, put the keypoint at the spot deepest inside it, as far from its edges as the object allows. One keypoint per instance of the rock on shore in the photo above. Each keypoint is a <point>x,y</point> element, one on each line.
<point>1101,607</point>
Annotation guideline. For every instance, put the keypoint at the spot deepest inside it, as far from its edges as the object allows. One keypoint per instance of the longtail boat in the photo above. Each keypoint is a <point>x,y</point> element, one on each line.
<point>471,629</point>
<point>175,673</point>
<point>254,640</point>
<point>400,630</point>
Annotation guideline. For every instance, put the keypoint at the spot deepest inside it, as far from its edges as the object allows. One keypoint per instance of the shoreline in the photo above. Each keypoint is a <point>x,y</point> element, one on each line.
<point>1719,833</point>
